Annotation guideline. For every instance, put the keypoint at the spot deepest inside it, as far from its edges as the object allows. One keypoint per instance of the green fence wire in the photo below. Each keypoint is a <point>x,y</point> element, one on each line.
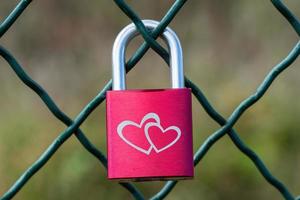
<point>150,42</point>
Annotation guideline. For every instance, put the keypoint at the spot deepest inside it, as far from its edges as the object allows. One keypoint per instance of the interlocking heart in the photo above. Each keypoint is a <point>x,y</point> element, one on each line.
<point>157,138</point>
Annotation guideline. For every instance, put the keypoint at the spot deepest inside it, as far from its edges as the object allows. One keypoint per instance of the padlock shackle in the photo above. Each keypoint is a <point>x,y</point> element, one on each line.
<point>123,39</point>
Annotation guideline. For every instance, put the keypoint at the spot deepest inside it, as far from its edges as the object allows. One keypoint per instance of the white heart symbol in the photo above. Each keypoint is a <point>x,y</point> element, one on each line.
<point>151,124</point>
<point>125,123</point>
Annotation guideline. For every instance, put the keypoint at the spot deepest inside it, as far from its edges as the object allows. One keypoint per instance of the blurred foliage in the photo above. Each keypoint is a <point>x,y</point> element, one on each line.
<point>229,46</point>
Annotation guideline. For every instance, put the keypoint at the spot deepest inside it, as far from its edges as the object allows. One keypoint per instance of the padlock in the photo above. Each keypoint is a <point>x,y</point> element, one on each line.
<point>149,131</point>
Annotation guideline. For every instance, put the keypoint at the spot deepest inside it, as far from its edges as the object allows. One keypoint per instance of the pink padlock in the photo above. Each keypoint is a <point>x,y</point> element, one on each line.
<point>149,132</point>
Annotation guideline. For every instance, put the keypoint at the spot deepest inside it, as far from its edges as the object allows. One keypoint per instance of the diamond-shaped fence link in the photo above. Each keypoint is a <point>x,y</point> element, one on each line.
<point>150,42</point>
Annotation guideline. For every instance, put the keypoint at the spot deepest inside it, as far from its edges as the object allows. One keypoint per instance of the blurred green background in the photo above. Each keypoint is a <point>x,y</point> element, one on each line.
<point>229,46</point>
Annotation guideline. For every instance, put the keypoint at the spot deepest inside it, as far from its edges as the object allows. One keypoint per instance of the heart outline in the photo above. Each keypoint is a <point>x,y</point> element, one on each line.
<point>151,124</point>
<point>125,123</point>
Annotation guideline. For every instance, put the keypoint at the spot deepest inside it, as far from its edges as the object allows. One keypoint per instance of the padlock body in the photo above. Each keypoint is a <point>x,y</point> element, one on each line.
<point>149,134</point>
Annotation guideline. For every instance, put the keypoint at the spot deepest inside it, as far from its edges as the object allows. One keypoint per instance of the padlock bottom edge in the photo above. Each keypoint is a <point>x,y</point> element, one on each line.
<point>144,179</point>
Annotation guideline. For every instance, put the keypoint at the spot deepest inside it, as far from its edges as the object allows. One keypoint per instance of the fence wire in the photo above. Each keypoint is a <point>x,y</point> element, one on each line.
<point>150,42</point>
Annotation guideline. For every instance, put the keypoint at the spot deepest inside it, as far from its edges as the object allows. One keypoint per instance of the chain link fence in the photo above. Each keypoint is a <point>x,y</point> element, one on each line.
<point>73,126</point>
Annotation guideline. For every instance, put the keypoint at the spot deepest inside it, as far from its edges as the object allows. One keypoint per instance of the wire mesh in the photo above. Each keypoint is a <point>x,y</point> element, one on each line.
<point>73,126</point>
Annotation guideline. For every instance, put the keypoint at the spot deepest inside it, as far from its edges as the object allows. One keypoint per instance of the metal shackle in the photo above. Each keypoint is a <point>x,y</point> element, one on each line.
<point>123,39</point>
